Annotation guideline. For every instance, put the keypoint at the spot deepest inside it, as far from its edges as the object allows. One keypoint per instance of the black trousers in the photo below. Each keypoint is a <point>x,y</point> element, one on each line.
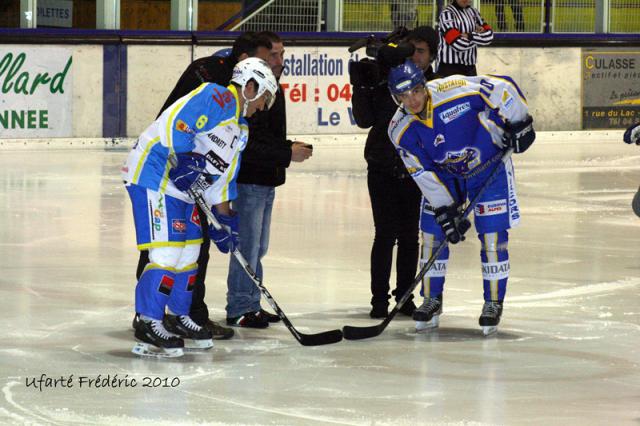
<point>445,70</point>
<point>395,203</point>
<point>199,311</point>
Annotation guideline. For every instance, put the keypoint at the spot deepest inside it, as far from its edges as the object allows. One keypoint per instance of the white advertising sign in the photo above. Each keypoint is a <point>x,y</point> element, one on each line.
<point>317,90</point>
<point>55,13</point>
<point>35,92</point>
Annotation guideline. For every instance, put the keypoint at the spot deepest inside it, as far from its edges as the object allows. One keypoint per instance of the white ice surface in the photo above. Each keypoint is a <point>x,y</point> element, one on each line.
<point>567,353</point>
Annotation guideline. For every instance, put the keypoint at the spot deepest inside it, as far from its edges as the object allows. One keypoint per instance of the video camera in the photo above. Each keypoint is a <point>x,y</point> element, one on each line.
<point>383,54</point>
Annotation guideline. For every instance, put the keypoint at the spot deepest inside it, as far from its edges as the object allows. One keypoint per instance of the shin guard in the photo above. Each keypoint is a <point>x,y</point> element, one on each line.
<point>495,264</point>
<point>433,280</point>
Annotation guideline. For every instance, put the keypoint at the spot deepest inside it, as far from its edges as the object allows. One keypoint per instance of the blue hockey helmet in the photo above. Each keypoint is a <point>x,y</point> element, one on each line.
<point>405,77</point>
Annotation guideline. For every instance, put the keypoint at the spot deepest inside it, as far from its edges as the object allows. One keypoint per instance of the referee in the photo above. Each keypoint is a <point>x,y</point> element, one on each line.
<point>462,30</point>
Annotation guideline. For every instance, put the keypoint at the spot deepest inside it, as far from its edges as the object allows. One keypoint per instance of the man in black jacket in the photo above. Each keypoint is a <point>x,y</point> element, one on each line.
<point>395,198</point>
<point>264,160</point>
<point>210,69</point>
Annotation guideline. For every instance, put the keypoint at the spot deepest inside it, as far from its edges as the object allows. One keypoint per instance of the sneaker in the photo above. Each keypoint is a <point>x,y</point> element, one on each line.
<point>408,308</point>
<point>219,332</point>
<point>379,311</point>
<point>248,320</point>
<point>268,316</point>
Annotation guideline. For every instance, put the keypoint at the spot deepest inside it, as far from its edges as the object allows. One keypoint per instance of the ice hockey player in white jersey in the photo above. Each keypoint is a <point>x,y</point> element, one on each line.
<point>451,134</point>
<point>195,143</point>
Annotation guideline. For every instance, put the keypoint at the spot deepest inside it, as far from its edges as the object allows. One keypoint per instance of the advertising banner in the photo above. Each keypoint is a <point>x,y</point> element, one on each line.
<point>35,92</point>
<point>317,90</point>
<point>610,88</point>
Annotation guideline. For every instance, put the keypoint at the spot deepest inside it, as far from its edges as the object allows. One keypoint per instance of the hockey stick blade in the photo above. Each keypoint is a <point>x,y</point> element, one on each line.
<point>358,333</point>
<point>324,338</point>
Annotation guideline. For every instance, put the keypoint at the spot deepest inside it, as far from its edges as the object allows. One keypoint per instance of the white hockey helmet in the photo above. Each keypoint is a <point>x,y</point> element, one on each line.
<point>258,70</point>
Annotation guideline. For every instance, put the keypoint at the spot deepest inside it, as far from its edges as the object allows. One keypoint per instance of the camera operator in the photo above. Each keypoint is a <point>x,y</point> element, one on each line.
<point>395,198</point>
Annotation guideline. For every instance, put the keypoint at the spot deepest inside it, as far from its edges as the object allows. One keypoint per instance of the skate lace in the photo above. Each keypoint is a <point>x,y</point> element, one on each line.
<point>189,323</point>
<point>490,309</point>
<point>159,329</point>
<point>432,304</point>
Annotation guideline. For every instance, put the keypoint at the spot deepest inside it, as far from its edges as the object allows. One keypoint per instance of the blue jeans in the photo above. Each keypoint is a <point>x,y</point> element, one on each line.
<point>254,205</point>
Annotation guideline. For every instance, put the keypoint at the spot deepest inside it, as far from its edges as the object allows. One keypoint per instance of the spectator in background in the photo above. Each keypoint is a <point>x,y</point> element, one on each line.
<point>395,198</point>
<point>264,160</point>
<point>462,30</point>
<point>404,13</point>
<point>210,69</point>
<point>516,9</point>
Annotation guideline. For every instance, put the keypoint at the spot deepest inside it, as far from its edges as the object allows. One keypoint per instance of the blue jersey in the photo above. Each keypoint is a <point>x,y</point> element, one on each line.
<point>461,134</point>
<point>206,121</point>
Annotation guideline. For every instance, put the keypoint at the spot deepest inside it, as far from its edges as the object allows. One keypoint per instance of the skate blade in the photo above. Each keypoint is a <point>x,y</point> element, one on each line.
<point>146,350</point>
<point>426,326</point>
<point>196,345</point>
<point>488,330</point>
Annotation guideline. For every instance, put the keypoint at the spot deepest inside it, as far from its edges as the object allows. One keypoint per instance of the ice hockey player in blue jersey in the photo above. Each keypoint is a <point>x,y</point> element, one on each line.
<point>451,134</point>
<point>195,143</point>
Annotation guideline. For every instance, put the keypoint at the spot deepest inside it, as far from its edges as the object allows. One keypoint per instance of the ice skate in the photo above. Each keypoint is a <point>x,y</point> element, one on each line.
<point>490,317</point>
<point>427,316</point>
<point>155,341</point>
<point>195,336</point>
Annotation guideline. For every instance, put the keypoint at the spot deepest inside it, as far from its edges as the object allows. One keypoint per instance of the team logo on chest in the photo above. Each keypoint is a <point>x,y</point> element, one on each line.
<point>462,162</point>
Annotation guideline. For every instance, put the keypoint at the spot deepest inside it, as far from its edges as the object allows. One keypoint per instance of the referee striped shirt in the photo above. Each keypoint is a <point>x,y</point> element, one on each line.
<point>454,22</point>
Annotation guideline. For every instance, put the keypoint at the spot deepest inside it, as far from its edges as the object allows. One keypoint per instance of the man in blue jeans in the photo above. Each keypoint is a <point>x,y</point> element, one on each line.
<point>264,160</point>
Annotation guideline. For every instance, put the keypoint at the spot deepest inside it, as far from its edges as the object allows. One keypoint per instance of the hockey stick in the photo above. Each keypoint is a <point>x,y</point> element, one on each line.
<point>357,333</point>
<point>324,338</point>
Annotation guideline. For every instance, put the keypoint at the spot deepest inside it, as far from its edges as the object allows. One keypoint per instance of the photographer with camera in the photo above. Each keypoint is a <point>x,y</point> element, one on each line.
<point>395,198</point>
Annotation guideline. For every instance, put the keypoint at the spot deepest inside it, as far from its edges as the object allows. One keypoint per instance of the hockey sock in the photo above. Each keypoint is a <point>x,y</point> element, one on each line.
<point>153,290</point>
<point>495,264</point>
<point>433,280</point>
<point>182,294</point>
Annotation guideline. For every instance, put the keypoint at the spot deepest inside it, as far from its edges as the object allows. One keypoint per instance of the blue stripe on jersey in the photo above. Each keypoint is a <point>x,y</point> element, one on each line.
<point>154,167</point>
<point>510,80</point>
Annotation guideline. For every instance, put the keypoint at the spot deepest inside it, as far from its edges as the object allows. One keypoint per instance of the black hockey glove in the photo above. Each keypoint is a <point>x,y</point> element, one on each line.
<point>520,135</point>
<point>452,223</point>
<point>364,73</point>
<point>391,54</point>
<point>632,134</point>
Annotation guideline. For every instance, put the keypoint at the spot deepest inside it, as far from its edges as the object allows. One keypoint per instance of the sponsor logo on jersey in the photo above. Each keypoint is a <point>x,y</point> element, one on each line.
<point>455,112</point>
<point>496,271</point>
<point>195,217</point>
<point>179,226</point>
<point>222,98</point>
<point>507,100</point>
<point>438,140</point>
<point>183,127</point>
<point>491,208</point>
<point>450,85</point>
<point>216,140</point>
<point>216,161</point>
<point>439,269</point>
<point>166,284</point>
<point>158,214</point>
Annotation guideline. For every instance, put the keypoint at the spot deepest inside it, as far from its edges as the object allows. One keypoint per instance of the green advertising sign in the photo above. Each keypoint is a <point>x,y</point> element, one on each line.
<point>35,92</point>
